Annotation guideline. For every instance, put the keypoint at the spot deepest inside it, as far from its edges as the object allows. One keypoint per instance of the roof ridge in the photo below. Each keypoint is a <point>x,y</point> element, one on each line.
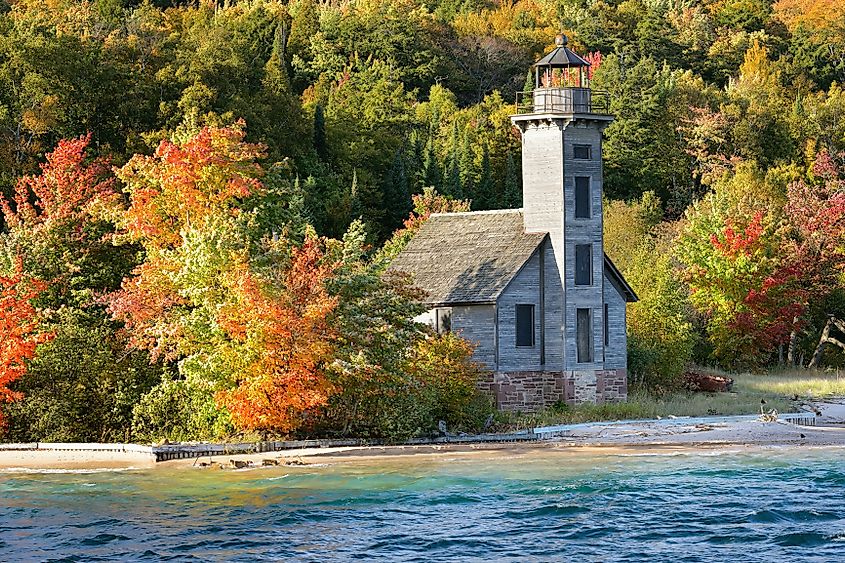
<point>486,212</point>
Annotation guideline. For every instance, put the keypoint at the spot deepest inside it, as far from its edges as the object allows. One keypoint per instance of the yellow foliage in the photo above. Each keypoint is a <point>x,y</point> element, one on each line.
<point>822,15</point>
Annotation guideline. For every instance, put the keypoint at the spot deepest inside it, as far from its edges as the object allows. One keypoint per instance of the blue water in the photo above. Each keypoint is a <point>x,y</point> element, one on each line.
<point>766,505</point>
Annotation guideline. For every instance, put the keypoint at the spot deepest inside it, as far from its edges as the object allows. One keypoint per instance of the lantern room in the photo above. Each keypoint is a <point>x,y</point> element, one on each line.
<point>562,85</point>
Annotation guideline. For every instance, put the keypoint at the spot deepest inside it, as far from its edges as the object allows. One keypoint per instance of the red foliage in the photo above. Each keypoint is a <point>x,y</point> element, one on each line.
<point>67,189</point>
<point>19,327</point>
<point>289,338</point>
<point>739,240</point>
<point>429,202</point>
<point>595,60</point>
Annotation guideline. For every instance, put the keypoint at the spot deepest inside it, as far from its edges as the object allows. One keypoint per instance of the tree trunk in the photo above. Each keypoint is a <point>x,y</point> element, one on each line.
<point>793,340</point>
<point>826,339</point>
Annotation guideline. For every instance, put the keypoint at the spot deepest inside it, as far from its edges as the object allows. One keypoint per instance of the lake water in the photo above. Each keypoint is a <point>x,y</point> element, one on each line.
<point>767,505</point>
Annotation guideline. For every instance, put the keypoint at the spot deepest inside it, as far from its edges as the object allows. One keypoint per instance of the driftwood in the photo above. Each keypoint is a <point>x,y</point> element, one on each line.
<point>826,339</point>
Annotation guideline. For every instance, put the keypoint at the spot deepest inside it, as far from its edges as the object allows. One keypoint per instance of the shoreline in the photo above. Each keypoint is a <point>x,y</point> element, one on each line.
<point>659,437</point>
<point>624,439</point>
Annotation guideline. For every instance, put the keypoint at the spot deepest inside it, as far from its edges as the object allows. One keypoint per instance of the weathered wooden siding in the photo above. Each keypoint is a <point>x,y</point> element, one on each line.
<point>583,231</point>
<point>616,352</point>
<point>427,318</point>
<point>524,289</point>
<point>542,201</point>
<point>477,323</point>
<point>554,303</point>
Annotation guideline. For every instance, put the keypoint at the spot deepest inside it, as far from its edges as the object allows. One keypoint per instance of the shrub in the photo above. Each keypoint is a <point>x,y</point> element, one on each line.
<point>82,385</point>
<point>179,410</point>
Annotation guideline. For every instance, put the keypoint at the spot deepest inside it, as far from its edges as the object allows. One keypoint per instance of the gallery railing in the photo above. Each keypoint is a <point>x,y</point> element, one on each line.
<point>563,100</point>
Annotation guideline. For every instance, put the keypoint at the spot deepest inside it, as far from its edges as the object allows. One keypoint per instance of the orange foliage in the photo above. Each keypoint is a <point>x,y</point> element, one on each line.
<point>19,328</point>
<point>180,185</point>
<point>289,340</point>
<point>184,183</point>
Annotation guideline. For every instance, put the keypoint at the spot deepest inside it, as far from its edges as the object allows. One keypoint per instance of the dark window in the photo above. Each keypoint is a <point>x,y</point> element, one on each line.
<point>583,322</point>
<point>443,320</point>
<point>582,197</point>
<point>582,152</point>
<point>583,264</point>
<point>525,325</point>
<point>606,326</point>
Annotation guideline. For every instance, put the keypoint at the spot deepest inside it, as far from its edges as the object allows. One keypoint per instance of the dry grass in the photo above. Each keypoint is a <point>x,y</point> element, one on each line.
<point>780,389</point>
<point>794,384</point>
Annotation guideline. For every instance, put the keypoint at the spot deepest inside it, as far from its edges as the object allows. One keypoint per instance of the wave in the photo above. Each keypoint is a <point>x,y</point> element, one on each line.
<point>77,471</point>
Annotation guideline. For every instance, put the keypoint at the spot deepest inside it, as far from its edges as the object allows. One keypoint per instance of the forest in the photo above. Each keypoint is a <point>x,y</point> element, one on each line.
<point>200,200</point>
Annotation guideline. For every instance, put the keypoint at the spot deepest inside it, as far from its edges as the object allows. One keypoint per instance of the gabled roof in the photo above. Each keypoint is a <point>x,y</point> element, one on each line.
<point>467,258</point>
<point>619,281</point>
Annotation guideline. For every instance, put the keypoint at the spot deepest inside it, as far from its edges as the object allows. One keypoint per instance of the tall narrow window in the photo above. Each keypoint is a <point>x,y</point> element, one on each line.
<point>582,152</point>
<point>582,197</point>
<point>443,320</point>
<point>584,336</point>
<point>525,325</point>
<point>583,264</point>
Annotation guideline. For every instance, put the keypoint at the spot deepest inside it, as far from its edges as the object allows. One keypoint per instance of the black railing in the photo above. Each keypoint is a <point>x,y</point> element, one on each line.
<point>563,100</point>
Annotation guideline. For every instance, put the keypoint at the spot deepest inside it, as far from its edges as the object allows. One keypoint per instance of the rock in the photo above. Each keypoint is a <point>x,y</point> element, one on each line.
<point>238,464</point>
<point>266,462</point>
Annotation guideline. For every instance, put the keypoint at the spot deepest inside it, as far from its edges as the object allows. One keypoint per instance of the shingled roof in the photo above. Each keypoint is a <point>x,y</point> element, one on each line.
<point>467,257</point>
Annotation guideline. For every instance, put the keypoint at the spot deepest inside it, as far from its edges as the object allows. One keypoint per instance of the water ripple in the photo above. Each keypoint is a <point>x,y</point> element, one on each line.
<point>538,507</point>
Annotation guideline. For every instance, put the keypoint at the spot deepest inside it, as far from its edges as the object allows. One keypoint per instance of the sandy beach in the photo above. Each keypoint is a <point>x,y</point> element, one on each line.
<point>657,436</point>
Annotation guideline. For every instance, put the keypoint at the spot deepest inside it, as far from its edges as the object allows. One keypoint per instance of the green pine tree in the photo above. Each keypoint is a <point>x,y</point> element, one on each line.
<point>320,143</point>
<point>431,166</point>
<point>512,193</point>
<point>485,196</point>
<point>396,195</point>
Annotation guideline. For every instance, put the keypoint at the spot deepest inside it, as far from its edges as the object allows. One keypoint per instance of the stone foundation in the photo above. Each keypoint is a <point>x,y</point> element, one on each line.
<point>530,391</point>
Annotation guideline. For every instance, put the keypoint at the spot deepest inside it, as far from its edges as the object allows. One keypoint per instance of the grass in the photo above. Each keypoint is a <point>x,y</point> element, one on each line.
<point>781,389</point>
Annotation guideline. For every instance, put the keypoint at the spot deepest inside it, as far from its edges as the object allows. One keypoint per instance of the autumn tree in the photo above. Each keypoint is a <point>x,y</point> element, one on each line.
<point>81,384</point>
<point>283,343</point>
<point>740,277</point>
<point>58,221</point>
<point>392,377</point>
<point>20,329</point>
<point>660,332</point>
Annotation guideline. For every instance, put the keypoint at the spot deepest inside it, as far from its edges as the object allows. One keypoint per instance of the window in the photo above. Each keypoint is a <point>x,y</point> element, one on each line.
<point>606,326</point>
<point>582,197</point>
<point>525,325</point>
<point>583,264</point>
<point>582,152</point>
<point>584,337</point>
<point>443,320</point>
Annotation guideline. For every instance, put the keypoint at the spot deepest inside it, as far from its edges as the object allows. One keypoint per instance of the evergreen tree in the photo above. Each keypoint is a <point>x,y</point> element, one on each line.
<point>431,174</point>
<point>466,168</point>
<point>397,198</point>
<point>320,143</point>
<point>452,173</point>
<point>512,194</point>
<point>415,169</point>
<point>528,87</point>
<point>485,196</point>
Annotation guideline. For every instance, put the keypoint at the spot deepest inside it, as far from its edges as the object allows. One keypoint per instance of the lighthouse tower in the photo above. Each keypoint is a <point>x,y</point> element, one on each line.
<point>561,123</point>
